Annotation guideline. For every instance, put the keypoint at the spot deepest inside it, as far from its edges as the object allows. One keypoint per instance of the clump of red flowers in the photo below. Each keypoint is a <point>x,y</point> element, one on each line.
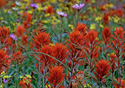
<point>4,60</point>
<point>25,83</point>
<point>40,39</point>
<point>102,68</point>
<point>50,10</point>
<point>56,76</point>
<point>121,85</point>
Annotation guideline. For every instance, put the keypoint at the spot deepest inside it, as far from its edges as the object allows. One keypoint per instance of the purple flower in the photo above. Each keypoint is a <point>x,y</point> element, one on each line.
<point>13,36</point>
<point>78,7</point>
<point>26,8</point>
<point>62,14</point>
<point>5,81</point>
<point>44,9</point>
<point>18,20</point>
<point>19,13</point>
<point>34,5</point>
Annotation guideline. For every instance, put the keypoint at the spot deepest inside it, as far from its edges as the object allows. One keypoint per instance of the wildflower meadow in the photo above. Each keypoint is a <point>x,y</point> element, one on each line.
<point>62,43</point>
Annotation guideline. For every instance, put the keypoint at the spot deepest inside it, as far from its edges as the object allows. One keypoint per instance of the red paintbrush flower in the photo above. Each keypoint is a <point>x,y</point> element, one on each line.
<point>102,68</point>
<point>56,76</point>
<point>121,85</point>
<point>38,1</point>
<point>25,83</point>
<point>17,56</point>
<point>44,59</point>
<point>26,24</point>
<point>113,61</point>
<point>20,30</point>
<point>59,51</point>
<point>40,39</point>
<point>106,34</point>
<point>102,8</point>
<point>50,10</point>
<point>82,28</point>
<point>27,17</point>
<point>4,60</point>
<point>119,47</point>
<point>24,39</point>
<point>76,38</point>
<point>91,36</point>
<point>4,32</point>
<point>3,3</point>
<point>119,13</point>
<point>106,19</point>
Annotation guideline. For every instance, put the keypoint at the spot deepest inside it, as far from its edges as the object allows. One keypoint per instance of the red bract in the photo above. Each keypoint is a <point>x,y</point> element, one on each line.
<point>27,16</point>
<point>121,85</point>
<point>25,83</point>
<point>60,52</point>
<point>76,42</point>
<point>118,47</point>
<point>106,19</point>
<point>24,39</point>
<point>56,76</point>
<point>76,38</point>
<point>75,52</point>
<point>4,32</point>
<point>4,60</point>
<point>102,68</point>
<point>82,28</point>
<point>91,47</point>
<point>17,56</point>
<point>50,10</point>
<point>91,36</point>
<point>44,59</point>
<point>40,1</point>
<point>20,30</point>
<point>106,34</point>
<point>102,8</point>
<point>3,3</point>
<point>118,44</point>
<point>113,61</point>
<point>26,24</point>
<point>119,13</point>
<point>40,39</point>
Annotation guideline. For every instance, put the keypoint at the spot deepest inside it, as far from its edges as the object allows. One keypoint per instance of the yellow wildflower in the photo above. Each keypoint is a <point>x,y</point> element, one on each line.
<point>29,76</point>
<point>87,86</point>
<point>92,26</point>
<point>101,25</point>
<point>1,85</point>
<point>71,26</point>
<point>21,77</point>
<point>116,19</point>
<point>46,15</point>
<point>48,86</point>
<point>98,18</point>
<point>6,76</point>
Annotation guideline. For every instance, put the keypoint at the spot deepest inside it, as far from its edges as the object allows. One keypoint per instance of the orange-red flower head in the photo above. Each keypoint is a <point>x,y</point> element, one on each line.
<point>106,34</point>
<point>59,51</point>
<point>56,76</point>
<point>20,30</point>
<point>82,28</point>
<point>122,85</point>
<point>102,68</point>
<point>40,39</point>
<point>50,10</point>
<point>92,35</point>
<point>44,59</point>
<point>4,59</point>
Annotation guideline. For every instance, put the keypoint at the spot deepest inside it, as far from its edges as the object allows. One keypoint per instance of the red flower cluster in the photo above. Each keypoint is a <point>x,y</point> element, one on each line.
<point>56,76</point>
<point>102,68</point>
